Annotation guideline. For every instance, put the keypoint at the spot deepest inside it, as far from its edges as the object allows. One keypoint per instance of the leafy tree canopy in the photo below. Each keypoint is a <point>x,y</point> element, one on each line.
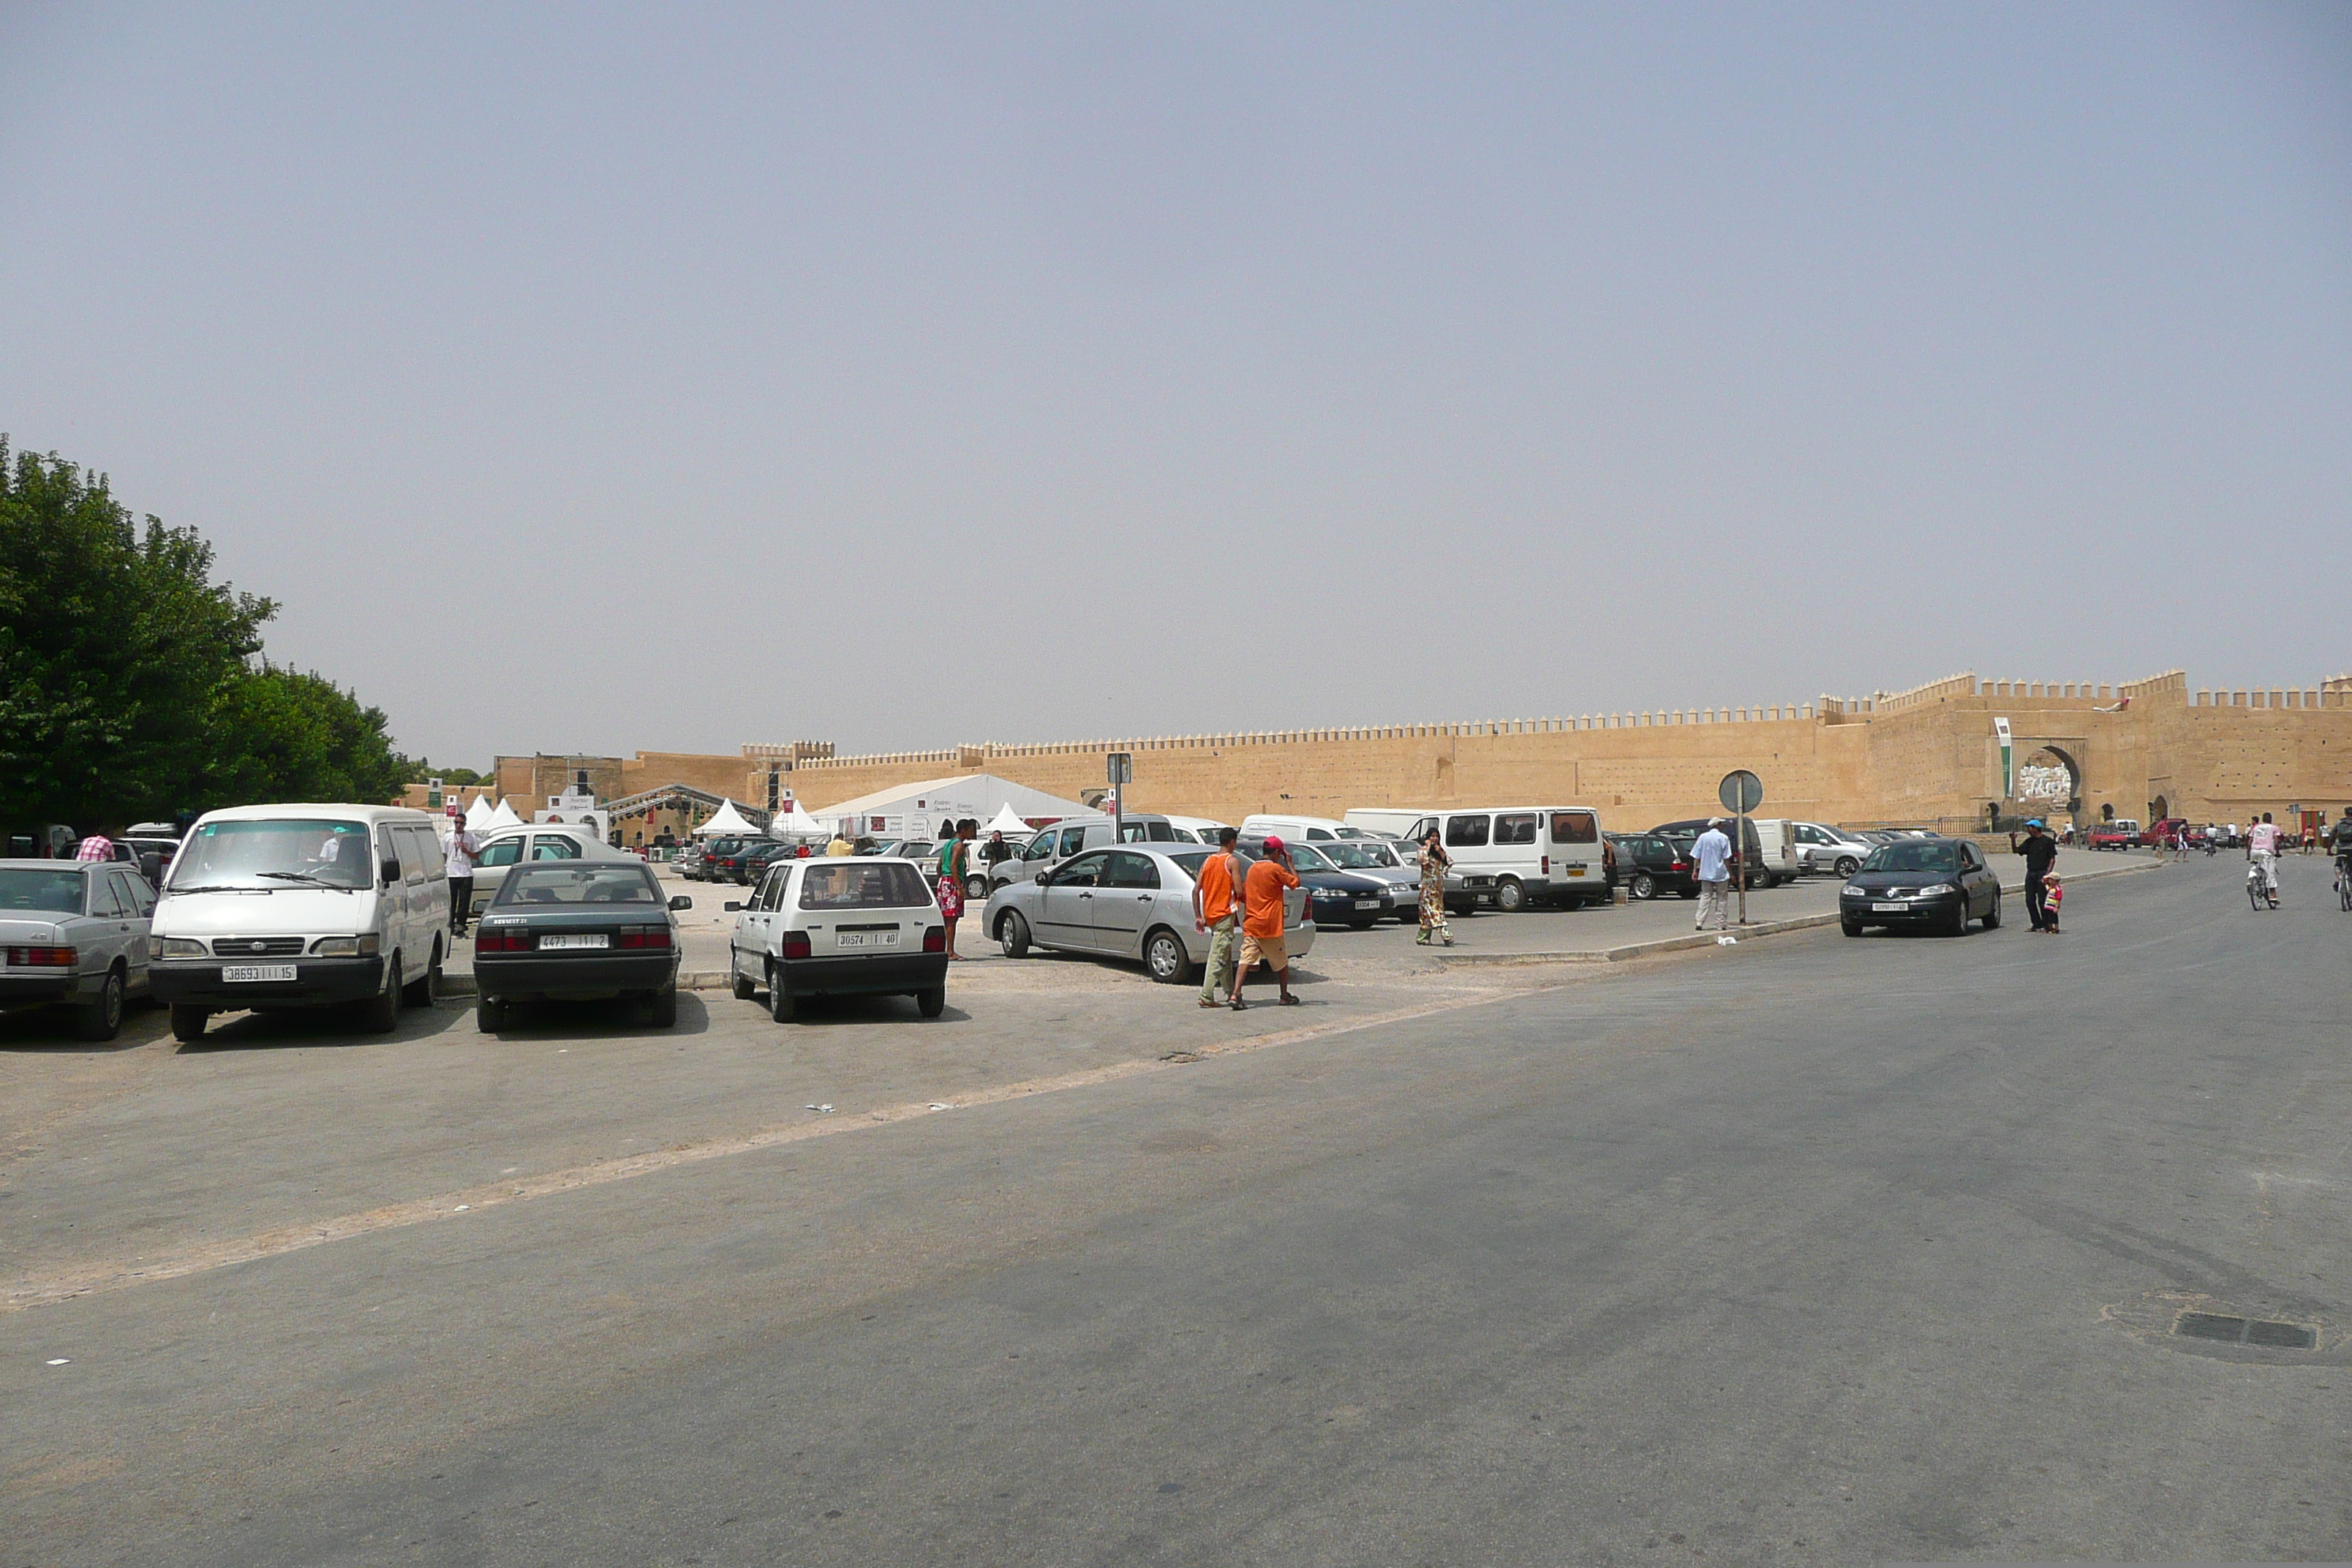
<point>129,685</point>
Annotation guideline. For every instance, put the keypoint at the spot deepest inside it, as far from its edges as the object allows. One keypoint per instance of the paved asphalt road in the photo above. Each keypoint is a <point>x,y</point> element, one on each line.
<point>1813,1250</point>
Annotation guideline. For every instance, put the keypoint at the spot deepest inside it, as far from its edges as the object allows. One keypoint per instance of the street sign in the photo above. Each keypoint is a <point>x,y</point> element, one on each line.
<point>1741,791</point>
<point>1119,767</point>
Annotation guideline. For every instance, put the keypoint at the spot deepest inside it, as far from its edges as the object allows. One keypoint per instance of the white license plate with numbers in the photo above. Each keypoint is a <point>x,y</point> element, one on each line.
<point>590,939</point>
<point>866,939</point>
<point>1888,909</point>
<point>242,973</point>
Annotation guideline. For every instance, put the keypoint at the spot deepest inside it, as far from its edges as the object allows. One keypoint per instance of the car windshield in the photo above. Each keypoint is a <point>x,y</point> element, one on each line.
<point>1351,856</point>
<point>840,884</point>
<point>51,893</point>
<point>278,853</point>
<point>576,884</point>
<point>1914,855</point>
<point>1304,857</point>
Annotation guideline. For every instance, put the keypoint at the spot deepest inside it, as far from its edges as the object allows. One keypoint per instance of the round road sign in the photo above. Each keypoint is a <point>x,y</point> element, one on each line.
<point>1741,791</point>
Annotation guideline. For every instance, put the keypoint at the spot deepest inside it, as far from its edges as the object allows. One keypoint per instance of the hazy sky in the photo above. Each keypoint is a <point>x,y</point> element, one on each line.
<point>599,379</point>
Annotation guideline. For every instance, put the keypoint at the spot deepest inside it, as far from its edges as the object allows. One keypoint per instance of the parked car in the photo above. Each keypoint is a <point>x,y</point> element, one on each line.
<point>1942,883</point>
<point>1134,901</point>
<point>689,860</point>
<point>276,907</point>
<point>1293,829</point>
<point>1756,866</point>
<point>1194,829</point>
<point>1822,849</point>
<point>1649,864</point>
<point>2114,836</point>
<point>1336,897</point>
<point>722,858</point>
<point>532,842</point>
<point>74,934</point>
<point>757,856</point>
<point>1054,845</point>
<point>575,930</point>
<point>1519,856</point>
<point>841,926</point>
<point>1387,821</point>
<point>1388,861</point>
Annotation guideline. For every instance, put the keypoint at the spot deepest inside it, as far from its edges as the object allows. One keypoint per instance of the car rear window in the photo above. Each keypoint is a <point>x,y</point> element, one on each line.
<point>51,892</point>
<point>1575,827</point>
<point>1191,863</point>
<point>863,885</point>
<point>569,884</point>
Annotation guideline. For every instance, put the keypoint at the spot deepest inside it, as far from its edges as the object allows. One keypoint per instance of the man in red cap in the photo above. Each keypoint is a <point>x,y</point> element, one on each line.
<point>1262,910</point>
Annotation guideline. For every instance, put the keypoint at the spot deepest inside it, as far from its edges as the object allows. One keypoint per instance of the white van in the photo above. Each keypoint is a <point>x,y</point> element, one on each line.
<point>273,907</point>
<point>1307,829</point>
<point>1386,821</point>
<point>1520,854</point>
<point>1054,845</point>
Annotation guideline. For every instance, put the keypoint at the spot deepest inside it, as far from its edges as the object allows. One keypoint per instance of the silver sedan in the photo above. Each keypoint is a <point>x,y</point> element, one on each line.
<point>75,932</point>
<point>1131,902</point>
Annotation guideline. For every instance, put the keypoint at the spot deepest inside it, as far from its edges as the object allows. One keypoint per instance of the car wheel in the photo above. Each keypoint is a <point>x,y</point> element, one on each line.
<point>489,1015</point>
<point>1992,915</point>
<point>1851,927</point>
<point>427,990</point>
<point>102,1019</point>
<point>1164,955</point>
<point>1642,888</point>
<point>779,1001</point>
<point>1960,925</point>
<point>188,1022</point>
<point>1847,865</point>
<point>1509,897</point>
<point>744,988</point>
<point>933,1001</point>
<point>975,888</point>
<point>381,1014</point>
<point>662,1010</point>
<point>1012,932</point>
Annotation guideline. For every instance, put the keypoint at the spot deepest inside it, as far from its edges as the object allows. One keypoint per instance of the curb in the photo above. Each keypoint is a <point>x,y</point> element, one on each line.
<point>688,980</point>
<point>1707,939</point>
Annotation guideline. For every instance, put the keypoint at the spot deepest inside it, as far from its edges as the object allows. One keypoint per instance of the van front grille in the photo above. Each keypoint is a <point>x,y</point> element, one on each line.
<point>256,946</point>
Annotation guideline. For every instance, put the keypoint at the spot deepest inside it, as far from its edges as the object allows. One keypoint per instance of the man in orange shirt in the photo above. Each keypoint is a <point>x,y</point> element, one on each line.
<point>1262,910</point>
<point>1218,912</point>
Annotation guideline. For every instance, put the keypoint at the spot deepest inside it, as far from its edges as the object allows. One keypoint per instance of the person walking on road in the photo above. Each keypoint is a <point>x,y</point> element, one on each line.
<point>1262,912</point>
<point>2262,849</point>
<point>2041,852</point>
<point>461,850</point>
<point>1217,909</point>
<point>1713,853</point>
<point>1434,862</point>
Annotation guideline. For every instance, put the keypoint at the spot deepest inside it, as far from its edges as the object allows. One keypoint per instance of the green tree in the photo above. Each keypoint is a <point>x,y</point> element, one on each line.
<point>283,734</point>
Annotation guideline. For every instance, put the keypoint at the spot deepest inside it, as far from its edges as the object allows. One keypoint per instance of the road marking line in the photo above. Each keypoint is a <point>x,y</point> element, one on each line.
<point>95,1278</point>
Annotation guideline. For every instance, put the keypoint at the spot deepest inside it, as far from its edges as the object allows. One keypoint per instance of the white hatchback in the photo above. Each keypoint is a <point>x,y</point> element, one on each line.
<point>865,925</point>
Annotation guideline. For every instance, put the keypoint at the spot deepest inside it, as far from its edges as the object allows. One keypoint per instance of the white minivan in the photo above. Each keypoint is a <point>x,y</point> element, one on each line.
<point>1523,855</point>
<point>1385,821</point>
<point>1303,829</point>
<point>271,907</point>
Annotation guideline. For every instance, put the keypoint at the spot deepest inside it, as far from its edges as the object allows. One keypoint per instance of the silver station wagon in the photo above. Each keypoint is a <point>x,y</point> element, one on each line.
<point>74,932</point>
<point>1133,902</point>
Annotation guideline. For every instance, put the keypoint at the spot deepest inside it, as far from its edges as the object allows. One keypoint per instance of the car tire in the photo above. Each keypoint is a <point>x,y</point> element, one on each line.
<point>101,1019</point>
<point>779,1001</point>
<point>1165,956</point>
<point>661,1008</point>
<point>1992,915</point>
<point>931,1001</point>
<point>1012,934</point>
<point>975,888</point>
<point>489,1015</point>
<point>427,989</point>
<point>1847,865</point>
<point>1960,918</point>
<point>188,1022</point>
<point>1642,888</point>
<point>1689,893</point>
<point>1510,899</point>
<point>744,987</point>
<point>379,1015</point>
<point>1851,927</point>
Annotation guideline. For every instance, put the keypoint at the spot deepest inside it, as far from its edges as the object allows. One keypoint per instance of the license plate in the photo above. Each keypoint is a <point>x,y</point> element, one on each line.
<point>1368,903</point>
<point>1889,908</point>
<point>866,939</point>
<point>593,939</point>
<point>237,974</point>
<point>1576,870</point>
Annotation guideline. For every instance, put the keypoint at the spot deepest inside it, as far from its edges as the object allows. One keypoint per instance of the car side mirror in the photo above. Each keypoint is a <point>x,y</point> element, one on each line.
<point>1044,878</point>
<point>389,871</point>
<point>681,903</point>
<point>731,906</point>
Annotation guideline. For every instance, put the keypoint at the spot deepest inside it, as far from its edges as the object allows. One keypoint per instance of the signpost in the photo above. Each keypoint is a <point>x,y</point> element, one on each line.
<point>2008,770</point>
<point>1741,792</point>
<point>1118,770</point>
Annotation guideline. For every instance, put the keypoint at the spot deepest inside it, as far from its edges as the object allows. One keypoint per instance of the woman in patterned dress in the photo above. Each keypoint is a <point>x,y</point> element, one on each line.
<point>1434,862</point>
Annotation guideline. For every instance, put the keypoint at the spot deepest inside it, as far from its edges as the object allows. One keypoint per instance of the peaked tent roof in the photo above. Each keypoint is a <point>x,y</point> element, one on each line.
<point>727,819</point>
<point>504,817</point>
<point>478,813</point>
<point>1006,820</point>
<point>797,824</point>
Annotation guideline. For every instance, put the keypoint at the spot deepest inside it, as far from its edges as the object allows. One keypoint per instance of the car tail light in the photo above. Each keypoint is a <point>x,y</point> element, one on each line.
<point>644,937</point>
<point>1545,861</point>
<point>935,939</point>
<point>43,957</point>
<point>504,942</point>
<point>796,944</point>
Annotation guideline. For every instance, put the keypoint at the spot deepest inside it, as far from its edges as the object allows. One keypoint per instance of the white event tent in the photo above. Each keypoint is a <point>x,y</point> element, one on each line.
<point>478,813</point>
<point>728,820</point>
<point>915,810</point>
<point>504,817</point>
<point>796,823</point>
<point>1006,820</point>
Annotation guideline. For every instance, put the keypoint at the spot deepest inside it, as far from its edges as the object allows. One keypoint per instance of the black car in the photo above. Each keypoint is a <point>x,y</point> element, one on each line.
<point>721,856</point>
<point>1939,883</point>
<point>1649,864</point>
<point>1686,833</point>
<point>1334,898</point>
<point>751,863</point>
<point>578,928</point>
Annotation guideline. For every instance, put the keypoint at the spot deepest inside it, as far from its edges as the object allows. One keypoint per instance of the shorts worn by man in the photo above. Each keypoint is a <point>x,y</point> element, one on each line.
<point>1261,914</point>
<point>1218,911</point>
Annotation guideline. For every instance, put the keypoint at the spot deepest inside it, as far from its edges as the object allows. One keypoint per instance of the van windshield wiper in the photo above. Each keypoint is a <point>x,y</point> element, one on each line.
<point>303,876</point>
<point>221,887</point>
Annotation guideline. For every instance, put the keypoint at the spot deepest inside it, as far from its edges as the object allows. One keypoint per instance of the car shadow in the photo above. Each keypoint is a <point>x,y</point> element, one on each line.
<point>848,1010</point>
<point>336,1028</point>
<point>611,1018</point>
<point>50,1029</point>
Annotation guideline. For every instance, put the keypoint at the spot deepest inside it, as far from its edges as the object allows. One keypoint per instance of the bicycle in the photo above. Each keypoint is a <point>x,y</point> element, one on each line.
<point>2343,881</point>
<point>2262,886</point>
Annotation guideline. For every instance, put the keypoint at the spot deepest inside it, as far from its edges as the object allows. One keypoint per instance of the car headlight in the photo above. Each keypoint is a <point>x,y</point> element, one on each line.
<point>345,946</point>
<point>183,947</point>
<point>1854,892</point>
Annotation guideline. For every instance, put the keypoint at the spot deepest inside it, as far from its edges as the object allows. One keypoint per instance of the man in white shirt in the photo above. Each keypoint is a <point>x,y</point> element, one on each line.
<point>1713,853</point>
<point>459,849</point>
<point>2262,849</point>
